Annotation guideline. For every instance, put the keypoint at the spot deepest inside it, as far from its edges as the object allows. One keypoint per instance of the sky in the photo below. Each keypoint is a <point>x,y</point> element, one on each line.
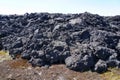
<point>101,7</point>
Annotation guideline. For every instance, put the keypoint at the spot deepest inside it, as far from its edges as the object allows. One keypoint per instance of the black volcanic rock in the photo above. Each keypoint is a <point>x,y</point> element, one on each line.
<point>81,41</point>
<point>101,66</point>
<point>1,47</point>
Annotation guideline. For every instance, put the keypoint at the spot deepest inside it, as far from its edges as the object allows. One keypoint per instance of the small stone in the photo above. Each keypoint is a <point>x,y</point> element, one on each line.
<point>100,66</point>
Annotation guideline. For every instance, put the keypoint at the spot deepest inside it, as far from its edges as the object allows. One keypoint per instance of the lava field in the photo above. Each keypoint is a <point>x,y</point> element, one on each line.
<point>82,41</point>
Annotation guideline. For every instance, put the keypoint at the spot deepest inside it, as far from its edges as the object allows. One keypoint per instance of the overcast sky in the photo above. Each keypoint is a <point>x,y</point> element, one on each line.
<point>102,7</point>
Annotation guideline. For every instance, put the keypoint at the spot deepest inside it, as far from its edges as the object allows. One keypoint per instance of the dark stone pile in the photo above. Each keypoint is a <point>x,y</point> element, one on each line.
<point>81,41</point>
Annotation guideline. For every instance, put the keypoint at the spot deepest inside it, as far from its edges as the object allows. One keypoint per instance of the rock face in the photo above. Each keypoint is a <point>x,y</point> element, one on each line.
<point>81,41</point>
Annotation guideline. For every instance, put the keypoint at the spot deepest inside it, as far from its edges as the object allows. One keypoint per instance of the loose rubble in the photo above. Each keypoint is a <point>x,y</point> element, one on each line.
<point>80,41</point>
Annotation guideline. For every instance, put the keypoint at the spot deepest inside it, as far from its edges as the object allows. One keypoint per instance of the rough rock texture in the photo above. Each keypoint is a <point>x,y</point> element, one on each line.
<point>101,66</point>
<point>82,41</point>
